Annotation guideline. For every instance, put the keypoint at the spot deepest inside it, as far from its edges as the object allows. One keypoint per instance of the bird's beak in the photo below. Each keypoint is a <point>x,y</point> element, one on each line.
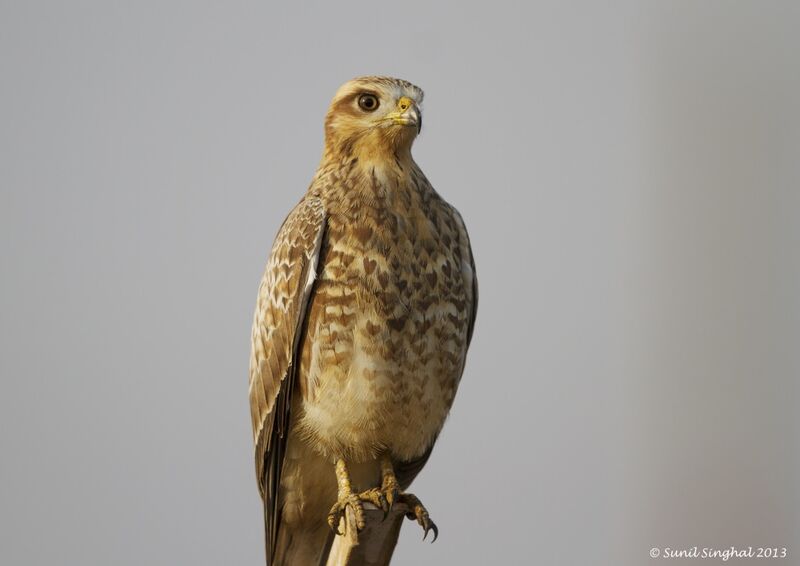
<point>407,114</point>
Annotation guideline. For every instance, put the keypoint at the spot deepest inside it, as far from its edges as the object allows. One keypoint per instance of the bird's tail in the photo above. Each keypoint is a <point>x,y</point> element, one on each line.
<point>302,546</point>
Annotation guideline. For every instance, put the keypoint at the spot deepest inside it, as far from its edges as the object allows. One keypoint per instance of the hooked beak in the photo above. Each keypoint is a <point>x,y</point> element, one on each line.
<point>408,114</point>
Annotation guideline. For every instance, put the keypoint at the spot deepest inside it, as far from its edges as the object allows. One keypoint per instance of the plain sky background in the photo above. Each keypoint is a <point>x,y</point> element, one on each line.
<point>630,176</point>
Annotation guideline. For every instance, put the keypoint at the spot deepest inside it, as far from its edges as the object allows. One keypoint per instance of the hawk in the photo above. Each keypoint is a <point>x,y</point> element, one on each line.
<point>361,328</point>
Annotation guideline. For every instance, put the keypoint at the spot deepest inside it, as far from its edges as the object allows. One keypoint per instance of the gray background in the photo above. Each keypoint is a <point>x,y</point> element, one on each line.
<point>629,174</point>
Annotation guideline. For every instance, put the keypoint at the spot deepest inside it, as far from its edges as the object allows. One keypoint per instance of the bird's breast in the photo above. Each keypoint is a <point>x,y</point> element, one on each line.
<point>386,335</point>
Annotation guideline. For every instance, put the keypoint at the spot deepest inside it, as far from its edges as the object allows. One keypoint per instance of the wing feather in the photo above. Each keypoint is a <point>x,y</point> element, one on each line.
<point>468,270</point>
<point>283,298</point>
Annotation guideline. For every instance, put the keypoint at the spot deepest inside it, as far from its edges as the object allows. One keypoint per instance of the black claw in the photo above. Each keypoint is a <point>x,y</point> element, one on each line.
<point>335,526</point>
<point>395,495</point>
<point>428,526</point>
<point>435,532</point>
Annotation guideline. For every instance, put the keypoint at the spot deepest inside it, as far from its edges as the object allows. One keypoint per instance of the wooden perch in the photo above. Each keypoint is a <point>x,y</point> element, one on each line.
<point>374,545</point>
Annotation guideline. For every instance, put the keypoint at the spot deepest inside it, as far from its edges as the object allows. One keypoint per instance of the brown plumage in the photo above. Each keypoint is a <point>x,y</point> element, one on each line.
<point>361,329</point>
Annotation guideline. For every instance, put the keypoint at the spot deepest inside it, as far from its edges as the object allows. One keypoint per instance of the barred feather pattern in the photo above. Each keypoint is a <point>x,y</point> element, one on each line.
<point>391,316</point>
<point>280,312</point>
<point>362,324</point>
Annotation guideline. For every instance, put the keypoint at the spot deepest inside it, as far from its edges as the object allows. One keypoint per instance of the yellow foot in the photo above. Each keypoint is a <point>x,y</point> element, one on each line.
<point>392,494</point>
<point>416,510</point>
<point>356,502</point>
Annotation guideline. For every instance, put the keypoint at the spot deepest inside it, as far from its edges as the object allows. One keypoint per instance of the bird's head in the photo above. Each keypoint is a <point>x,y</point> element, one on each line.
<point>373,117</point>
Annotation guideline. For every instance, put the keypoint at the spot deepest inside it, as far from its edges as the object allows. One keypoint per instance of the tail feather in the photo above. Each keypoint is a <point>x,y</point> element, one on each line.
<point>302,546</point>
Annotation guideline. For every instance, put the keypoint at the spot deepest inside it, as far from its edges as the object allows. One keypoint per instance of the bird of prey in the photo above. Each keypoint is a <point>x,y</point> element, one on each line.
<point>361,328</point>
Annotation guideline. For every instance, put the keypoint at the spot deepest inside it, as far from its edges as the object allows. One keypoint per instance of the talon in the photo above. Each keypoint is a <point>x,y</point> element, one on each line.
<point>384,508</point>
<point>416,510</point>
<point>339,510</point>
<point>377,498</point>
<point>432,527</point>
<point>333,523</point>
<point>391,496</point>
<point>348,499</point>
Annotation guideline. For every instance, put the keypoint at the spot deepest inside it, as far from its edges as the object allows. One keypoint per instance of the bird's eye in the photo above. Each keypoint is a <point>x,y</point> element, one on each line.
<point>368,102</point>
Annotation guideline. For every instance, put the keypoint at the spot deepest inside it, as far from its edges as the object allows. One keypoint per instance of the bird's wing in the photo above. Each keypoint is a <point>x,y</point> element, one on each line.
<point>470,275</point>
<point>468,272</point>
<point>283,298</point>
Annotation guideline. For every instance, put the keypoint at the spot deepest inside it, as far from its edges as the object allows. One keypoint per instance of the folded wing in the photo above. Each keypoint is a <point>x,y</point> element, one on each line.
<point>283,298</point>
